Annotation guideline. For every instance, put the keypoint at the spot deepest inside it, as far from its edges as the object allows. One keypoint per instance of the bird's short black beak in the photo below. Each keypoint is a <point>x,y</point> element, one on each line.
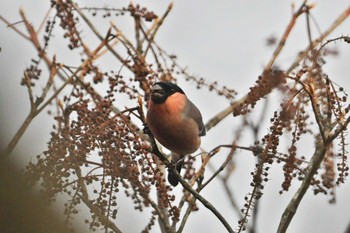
<point>157,94</point>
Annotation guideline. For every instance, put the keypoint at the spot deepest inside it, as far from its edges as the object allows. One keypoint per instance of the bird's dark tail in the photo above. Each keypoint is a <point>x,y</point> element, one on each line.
<point>171,176</point>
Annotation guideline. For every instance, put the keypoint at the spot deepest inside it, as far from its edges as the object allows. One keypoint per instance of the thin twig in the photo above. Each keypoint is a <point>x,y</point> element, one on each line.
<point>286,34</point>
<point>204,201</point>
<point>159,23</point>
<point>95,31</point>
<point>186,215</point>
<point>234,204</point>
<point>201,187</point>
<point>163,217</point>
<point>341,128</point>
<point>223,165</point>
<point>42,24</point>
<point>319,40</point>
<point>8,24</point>
<point>29,88</point>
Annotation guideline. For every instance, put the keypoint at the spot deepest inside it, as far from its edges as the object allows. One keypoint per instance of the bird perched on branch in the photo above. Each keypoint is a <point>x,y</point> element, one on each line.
<point>175,122</point>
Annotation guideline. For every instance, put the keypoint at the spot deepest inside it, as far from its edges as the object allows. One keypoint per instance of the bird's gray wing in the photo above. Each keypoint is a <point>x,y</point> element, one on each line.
<point>194,113</point>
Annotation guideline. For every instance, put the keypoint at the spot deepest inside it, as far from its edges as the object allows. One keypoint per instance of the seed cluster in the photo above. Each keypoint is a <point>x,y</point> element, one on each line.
<point>265,83</point>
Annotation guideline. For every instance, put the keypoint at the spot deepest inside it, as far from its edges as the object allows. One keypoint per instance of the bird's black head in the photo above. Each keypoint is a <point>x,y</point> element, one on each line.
<point>162,90</point>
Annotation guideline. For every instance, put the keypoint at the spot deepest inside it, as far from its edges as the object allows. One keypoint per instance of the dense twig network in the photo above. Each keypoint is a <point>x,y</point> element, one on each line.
<point>98,148</point>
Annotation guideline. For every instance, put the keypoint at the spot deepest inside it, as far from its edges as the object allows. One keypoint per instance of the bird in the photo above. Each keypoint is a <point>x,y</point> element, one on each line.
<point>175,122</point>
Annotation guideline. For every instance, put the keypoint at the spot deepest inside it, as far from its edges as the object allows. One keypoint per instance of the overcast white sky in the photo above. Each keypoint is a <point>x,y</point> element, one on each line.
<point>223,41</point>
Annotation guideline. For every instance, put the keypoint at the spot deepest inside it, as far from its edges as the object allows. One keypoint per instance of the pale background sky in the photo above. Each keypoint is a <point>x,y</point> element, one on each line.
<point>223,41</point>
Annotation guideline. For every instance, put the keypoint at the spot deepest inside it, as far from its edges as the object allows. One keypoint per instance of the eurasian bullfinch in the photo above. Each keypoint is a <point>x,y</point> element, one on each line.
<point>175,122</point>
